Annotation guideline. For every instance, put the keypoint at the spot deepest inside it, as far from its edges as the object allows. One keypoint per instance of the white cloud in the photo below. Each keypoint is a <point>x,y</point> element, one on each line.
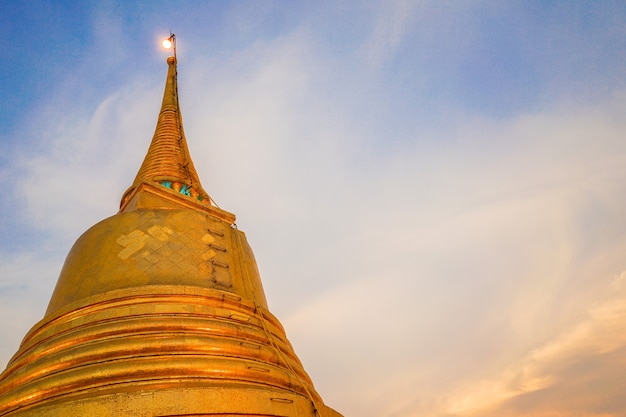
<point>392,20</point>
<point>601,332</point>
<point>25,287</point>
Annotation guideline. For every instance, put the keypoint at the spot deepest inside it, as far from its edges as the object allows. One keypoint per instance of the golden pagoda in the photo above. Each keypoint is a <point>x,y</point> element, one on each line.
<point>159,311</point>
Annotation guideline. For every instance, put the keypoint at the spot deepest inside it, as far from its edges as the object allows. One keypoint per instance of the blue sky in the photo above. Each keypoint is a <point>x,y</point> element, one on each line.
<point>434,191</point>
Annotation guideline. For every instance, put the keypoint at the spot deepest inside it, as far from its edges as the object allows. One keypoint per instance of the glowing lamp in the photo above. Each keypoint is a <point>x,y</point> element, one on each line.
<point>170,43</point>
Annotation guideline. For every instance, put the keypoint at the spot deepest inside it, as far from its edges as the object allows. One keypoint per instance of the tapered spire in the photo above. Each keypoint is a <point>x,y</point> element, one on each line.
<point>168,162</point>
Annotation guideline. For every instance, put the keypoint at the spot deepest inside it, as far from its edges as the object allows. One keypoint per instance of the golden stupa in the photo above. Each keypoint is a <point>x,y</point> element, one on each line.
<point>159,311</point>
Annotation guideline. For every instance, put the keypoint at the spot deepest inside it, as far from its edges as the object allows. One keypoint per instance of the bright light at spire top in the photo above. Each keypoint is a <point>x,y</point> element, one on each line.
<point>170,43</point>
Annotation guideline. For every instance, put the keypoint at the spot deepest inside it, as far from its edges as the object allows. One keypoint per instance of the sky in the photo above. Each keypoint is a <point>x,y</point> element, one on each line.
<point>434,190</point>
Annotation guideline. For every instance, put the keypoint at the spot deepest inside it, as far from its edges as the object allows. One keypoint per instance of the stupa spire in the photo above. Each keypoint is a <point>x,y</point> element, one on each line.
<point>167,161</point>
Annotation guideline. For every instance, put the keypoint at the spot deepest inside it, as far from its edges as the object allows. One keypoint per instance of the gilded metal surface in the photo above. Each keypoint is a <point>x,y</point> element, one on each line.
<point>159,311</point>
<point>167,159</point>
<point>110,350</point>
<point>158,247</point>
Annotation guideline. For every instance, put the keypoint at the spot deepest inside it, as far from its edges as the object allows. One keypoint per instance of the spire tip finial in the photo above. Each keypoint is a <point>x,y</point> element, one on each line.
<point>170,43</point>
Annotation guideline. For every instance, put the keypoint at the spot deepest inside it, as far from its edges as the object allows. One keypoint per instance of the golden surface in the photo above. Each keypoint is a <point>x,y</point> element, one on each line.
<point>159,311</point>
<point>158,247</point>
<point>110,350</point>
<point>168,155</point>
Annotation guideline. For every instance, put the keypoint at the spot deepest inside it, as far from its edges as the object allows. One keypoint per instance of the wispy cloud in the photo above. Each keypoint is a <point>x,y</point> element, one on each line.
<point>392,20</point>
<point>576,353</point>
